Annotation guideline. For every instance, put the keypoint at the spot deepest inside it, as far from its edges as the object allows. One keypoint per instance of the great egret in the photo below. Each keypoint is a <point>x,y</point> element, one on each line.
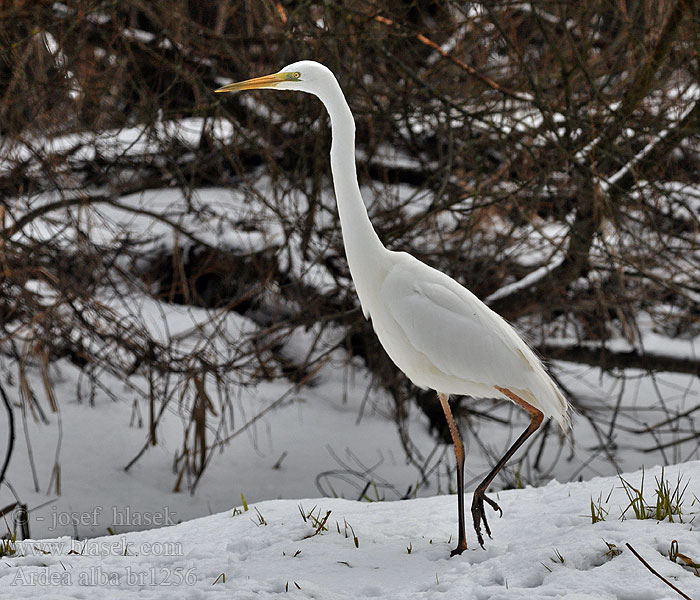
<point>434,329</point>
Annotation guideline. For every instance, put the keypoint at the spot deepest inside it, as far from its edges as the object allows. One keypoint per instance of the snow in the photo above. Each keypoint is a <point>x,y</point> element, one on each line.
<point>328,437</point>
<point>134,141</point>
<point>544,546</point>
<point>529,280</point>
<point>630,165</point>
<point>315,429</point>
<point>650,343</point>
<point>331,436</point>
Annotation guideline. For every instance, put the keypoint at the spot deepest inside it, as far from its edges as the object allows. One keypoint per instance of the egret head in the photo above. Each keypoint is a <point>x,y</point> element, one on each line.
<point>303,76</point>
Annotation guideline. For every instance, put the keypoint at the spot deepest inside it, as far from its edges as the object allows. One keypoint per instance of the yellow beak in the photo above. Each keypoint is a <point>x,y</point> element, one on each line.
<point>267,81</point>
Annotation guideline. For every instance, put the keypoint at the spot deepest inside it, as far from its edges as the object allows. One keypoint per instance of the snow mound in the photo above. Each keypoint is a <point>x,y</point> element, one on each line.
<point>544,546</point>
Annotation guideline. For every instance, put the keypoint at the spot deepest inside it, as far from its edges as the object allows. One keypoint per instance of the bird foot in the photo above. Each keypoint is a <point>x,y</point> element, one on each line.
<point>479,515</point>
<point>461,547</point>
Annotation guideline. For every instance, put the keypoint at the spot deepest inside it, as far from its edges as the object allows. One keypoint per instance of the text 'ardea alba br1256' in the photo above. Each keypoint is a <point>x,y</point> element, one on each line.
<point>435,330</point>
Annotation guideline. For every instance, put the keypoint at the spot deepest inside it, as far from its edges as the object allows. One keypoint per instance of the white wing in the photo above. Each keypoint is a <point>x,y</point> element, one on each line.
<point>445,338</point>
<point>451,330</point>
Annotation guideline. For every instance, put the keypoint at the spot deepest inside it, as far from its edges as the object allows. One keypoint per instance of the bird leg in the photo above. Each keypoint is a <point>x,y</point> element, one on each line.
<point>478,514</point>
<point>459,456</point>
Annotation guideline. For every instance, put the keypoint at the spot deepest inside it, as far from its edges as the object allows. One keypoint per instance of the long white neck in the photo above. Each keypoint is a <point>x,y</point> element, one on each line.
<point>366,255</point>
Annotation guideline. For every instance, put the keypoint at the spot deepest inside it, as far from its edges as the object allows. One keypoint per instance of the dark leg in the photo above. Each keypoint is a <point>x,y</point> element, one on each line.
<point>459,455</point>
<point>478,513</point>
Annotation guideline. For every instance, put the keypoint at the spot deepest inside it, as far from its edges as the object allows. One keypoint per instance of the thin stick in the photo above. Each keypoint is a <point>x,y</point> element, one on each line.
<point>461,64</point>
<point>11,433</point>
<point>661,577</point>
<point>257,417</point>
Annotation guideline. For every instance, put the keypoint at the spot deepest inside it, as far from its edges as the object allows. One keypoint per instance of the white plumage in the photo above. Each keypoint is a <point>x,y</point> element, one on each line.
<point>434,329</point>
<point>444,338</point>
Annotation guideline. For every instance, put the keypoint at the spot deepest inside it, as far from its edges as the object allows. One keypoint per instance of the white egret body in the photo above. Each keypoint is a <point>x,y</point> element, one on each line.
<point>434,329</point>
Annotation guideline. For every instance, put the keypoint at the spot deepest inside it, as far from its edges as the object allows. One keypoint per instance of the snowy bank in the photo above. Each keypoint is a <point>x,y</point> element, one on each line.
<point>544,546</point>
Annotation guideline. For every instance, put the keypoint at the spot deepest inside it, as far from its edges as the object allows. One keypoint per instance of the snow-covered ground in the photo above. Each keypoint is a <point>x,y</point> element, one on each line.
<point>325,439</point>
<point>330,438</point>
<point>544,546</point>
<point>280,456</point>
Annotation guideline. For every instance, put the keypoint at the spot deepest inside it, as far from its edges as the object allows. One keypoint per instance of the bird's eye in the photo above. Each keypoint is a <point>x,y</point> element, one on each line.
<point>296,74</point>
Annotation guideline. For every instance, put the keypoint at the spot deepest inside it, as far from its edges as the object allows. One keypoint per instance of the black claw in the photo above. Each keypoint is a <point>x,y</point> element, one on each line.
<point>479,537</point>
<point>479,514</point>
<point>493,505</point>
<point>486,523</point>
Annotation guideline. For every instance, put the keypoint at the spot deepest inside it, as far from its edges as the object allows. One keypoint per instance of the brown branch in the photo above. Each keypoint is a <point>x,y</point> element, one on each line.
<point>270,407</point>
<point>606,360</point>
<point>553,285</point>
<point>461,64</point>
<point>655,572</point>
<point>84,200</point>
<point>11,434</point>
<point>663,147</point>
<point>589,216</point>
<point>642,79</point>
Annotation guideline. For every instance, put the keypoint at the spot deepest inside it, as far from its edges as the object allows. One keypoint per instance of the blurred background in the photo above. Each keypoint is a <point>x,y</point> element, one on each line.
<point>171,259</point>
